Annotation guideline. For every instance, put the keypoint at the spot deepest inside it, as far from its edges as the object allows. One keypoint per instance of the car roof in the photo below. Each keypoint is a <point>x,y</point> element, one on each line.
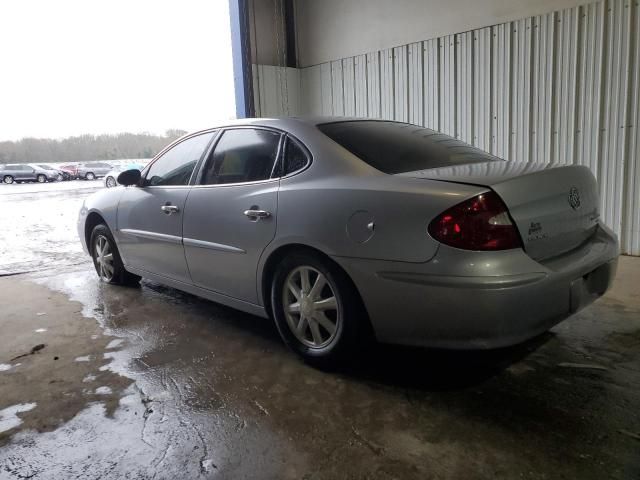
<point>285,122</point>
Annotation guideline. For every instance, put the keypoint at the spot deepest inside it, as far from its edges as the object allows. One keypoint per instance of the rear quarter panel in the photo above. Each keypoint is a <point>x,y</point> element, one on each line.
<point>328,213</point>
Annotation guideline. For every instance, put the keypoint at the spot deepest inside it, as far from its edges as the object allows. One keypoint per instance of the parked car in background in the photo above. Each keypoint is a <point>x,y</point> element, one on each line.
<point>52,174</point>
<point>21,173</point>
<point>111,178</point>
<point>71,170</point>
<point>342,229</point>
<point>93,170</point>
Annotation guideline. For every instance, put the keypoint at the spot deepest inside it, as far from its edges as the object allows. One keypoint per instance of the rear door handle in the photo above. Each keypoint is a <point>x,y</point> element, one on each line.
<point>169,209</point>
<point>257,214</point>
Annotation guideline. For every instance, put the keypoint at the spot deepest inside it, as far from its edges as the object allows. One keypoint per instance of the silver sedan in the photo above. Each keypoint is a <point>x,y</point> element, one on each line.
<point>344,230</point>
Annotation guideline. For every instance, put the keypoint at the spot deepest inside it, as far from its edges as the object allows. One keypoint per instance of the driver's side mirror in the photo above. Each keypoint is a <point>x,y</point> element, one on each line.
<point>129,177</point>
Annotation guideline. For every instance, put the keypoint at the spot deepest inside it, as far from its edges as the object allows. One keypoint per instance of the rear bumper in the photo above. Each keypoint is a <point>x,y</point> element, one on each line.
<point>478,300</point>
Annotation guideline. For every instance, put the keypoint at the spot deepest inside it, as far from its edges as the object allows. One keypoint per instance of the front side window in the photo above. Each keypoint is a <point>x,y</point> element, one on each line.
<point>242,155</point>
<point>394,147</point>
<point>175,166</point>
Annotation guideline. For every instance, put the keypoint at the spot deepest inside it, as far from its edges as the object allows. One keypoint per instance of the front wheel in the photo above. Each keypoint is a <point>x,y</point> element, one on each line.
<point>110,182</point>
<point>317,310</point>
<point>8,179</point>
<point>106,258</point>
<point>90,176</point>
<point>41,179</point>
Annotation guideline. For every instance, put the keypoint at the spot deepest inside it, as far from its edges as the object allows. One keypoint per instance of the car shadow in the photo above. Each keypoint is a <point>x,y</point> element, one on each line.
<point>389,365</point>
<point>436,369</point>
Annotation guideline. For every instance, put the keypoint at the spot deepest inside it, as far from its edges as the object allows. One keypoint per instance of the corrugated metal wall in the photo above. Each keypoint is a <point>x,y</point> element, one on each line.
<point>562,87</point>
<point>276,91</point>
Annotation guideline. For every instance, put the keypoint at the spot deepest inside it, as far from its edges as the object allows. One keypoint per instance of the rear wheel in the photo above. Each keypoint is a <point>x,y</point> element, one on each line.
<point>41,178</point>
<point>110,182</point>
<point>90,176</point>
<point>8,179</point>
<point>106,258</point>
<point>317,310</point>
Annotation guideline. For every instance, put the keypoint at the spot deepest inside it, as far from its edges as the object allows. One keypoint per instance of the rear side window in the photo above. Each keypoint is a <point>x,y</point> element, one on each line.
<point>242,155</point>
<point>295,158</point>
<point>175,166</point>
<point>393,147</point>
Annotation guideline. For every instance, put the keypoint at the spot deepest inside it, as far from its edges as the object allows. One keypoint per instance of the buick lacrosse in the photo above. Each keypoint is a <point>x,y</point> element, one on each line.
<point>345,229</point>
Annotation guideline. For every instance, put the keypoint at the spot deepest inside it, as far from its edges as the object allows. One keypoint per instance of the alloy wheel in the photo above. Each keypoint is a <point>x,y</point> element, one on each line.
<point>310,307</point>
<point>41,179</point>
<point>90,176</point>
<point>104,258</point>
<point>8,179</point>
<point>111,182</point>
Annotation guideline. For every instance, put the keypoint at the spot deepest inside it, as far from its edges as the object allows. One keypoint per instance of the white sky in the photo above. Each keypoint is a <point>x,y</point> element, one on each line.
<point>70,67</point>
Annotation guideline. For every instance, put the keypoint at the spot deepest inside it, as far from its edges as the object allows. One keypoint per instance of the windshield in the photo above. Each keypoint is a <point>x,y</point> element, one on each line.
<point>394,147</point>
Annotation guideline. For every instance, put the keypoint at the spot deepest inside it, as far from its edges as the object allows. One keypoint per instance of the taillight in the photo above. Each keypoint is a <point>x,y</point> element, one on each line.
<point>480,223</point>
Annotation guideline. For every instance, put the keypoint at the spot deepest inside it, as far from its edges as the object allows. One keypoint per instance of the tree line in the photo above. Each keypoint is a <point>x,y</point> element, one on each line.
<point>86,147</point>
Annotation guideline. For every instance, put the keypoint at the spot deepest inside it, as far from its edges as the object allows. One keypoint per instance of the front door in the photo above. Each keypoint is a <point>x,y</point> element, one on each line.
<point>26,173</point>
<point>150,217</point>
<point>230,216</point>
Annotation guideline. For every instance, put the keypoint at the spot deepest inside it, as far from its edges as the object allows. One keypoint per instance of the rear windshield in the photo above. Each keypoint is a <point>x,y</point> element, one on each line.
<point>393,147</point>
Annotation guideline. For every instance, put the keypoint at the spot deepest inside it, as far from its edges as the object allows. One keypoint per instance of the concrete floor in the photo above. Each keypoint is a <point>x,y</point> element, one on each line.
<point>152,383</point>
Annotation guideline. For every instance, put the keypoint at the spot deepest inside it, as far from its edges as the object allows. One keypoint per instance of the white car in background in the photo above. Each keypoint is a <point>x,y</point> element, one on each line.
<point>111,178</point>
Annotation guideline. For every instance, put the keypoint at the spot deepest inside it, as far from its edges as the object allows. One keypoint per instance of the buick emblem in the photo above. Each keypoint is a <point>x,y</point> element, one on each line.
<point>574,198</point>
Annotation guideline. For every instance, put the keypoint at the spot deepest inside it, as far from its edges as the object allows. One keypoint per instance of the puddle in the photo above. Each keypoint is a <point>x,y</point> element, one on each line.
<point>9,416</point>
<point>114,343</point>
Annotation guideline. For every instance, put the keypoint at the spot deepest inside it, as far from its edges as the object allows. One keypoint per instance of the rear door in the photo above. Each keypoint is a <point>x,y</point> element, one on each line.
<point>150,216</point>
<point>230,216</point>
<point>27,172</point>
<point>16,172</point>
<point>103,168</point>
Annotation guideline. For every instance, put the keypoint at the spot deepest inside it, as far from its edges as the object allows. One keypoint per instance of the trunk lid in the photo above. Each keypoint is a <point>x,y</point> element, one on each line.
<point>554,207</point>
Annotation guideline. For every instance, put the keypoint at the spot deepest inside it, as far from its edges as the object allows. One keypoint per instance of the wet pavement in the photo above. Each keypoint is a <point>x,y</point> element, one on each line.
<point>98,381</point>
<point>38,224</point>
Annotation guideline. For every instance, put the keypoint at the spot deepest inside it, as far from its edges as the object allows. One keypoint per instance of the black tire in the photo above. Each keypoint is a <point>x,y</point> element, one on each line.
<point>8,179</point>
<point>41,179</point>
<point>89,176</point>
<point>119,276</point>
<point>351,326</point>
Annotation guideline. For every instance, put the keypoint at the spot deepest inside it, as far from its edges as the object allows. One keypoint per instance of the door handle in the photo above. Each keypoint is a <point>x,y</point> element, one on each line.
<point>169,209</point>
<point>257,214</point>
